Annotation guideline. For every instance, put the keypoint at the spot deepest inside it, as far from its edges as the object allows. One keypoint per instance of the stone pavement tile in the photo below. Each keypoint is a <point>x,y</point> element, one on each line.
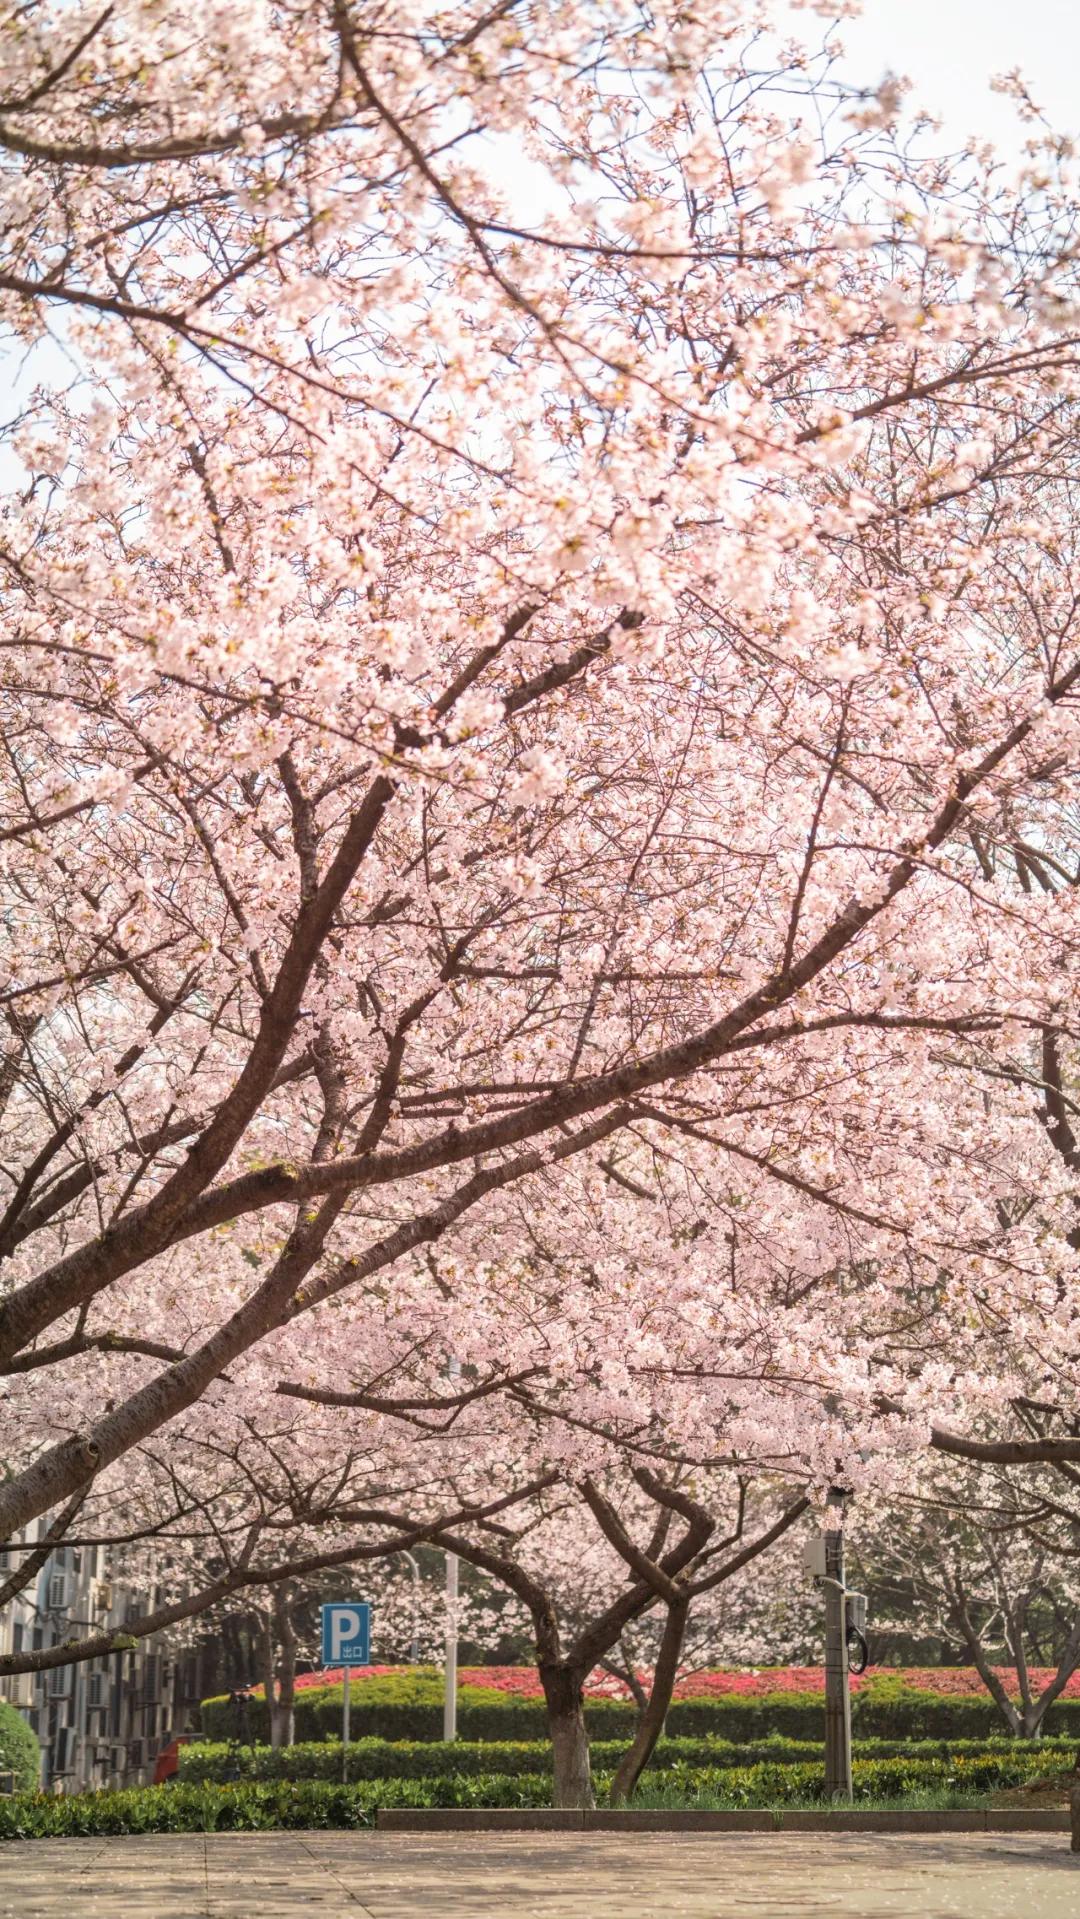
<point>91,1879</point>
<point>289,1876</point>
<point>556,1876</point>
<point>681,1877</point>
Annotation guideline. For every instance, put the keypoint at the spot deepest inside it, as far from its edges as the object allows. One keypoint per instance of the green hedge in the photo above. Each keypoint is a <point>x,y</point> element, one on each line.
<point>371,1759</point>
<point>19,1749</point>
<point>196,1808</point>
<point>410,1708</point>
<point>251,1805</point>
<point>379,1709</point>
<point>263,1805</point>
<point>778,1785</point>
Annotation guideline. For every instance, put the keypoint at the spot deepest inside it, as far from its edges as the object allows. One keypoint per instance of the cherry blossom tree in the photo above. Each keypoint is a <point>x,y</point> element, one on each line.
<point>674,1561</point>
<point>986,1558</point>
<point>525,749</point>
<point>226,1515</point>
<point>219,1520</point>
<point>1038,1417</point>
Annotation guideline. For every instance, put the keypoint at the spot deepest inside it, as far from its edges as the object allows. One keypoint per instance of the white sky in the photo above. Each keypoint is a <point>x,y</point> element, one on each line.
<point>951,49</point>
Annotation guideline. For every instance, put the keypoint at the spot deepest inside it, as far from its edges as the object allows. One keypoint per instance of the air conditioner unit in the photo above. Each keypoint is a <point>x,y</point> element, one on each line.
<point>56,1598</point>
<point>65,1752</point>
<point>97,1693</point>
<point>19,1690</point>
<point>60,1683</point>
<point>103,1595</point>
<point>136,1754</point>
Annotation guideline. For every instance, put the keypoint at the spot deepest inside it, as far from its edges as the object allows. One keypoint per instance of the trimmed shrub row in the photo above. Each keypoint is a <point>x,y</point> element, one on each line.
<point>263,1805</point>
<point>773,1785</point>
<point>249,1807</point>
<point>884,1709</point>
<point>371,1759</point>
<point>388,1709</point>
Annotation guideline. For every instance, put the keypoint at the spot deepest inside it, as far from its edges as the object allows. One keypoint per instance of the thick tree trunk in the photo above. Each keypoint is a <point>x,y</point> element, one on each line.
<point>1031,1710</point>
<point>651,1723</point>
<point>1034,1713</point>
<point>1026,1720</point>
<point>977,1654</point>
<point>565,1699</point>
<point>265,1655</point>
<point>282,1714</point>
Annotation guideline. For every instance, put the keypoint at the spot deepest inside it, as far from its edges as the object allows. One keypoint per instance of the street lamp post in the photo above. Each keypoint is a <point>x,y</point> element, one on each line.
<point>837,1689</point>
<point>450,1692</point>
<point>450,1682</point>
<point>414,1647</point>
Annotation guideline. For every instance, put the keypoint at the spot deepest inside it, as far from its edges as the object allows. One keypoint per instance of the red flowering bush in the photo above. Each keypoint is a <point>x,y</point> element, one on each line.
<point>947,1682</point>
<point>523,1682</point>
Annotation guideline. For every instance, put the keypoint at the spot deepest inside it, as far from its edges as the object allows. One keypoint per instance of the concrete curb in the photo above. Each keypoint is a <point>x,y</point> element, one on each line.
<point>540,1819</point>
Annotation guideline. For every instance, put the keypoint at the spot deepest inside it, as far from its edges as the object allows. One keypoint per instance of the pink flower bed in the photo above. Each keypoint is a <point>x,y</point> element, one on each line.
<point>522,1682</point>
<point>332,1676</point>
<point>948,1682</point>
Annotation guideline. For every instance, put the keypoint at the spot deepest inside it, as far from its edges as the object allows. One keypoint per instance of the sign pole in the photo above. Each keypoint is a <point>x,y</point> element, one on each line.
<point>837,1689</point>
<point>346,1642</point>
<point>345,1728</point>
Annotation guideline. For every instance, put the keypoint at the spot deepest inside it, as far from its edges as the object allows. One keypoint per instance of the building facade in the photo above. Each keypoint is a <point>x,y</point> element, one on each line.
<point>99,1722</point>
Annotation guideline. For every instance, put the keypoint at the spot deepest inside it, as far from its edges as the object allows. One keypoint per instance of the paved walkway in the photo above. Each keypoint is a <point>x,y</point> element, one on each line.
<point>515,1876</point>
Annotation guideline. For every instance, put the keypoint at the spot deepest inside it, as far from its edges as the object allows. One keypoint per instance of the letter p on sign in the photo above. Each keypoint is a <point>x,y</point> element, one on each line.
<point>346,1634</point>
<point>344,1627</point>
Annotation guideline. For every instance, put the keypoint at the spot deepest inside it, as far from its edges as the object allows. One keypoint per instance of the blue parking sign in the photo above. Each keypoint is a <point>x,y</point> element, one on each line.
<point>346,1634</point>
